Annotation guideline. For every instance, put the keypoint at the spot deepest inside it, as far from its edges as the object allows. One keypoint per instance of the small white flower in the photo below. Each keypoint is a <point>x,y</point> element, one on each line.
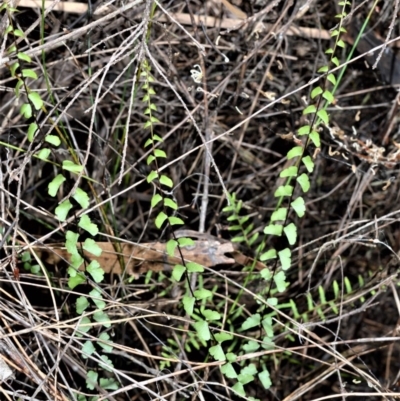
<point>196,73</point>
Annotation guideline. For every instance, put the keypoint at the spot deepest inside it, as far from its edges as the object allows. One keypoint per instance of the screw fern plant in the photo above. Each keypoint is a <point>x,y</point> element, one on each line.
<point>290,205</point>
<point>79,272</point>
<point>194,300</point>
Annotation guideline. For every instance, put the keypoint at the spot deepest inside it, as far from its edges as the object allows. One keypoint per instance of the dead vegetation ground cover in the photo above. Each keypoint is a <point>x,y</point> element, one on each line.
<point>234,75</point>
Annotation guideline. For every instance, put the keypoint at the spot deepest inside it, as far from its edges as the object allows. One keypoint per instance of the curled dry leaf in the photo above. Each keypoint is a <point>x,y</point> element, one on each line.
<point>139,258</point>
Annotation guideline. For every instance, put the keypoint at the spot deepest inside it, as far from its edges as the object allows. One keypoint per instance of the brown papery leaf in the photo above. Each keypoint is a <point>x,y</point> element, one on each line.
<point>140,258</point>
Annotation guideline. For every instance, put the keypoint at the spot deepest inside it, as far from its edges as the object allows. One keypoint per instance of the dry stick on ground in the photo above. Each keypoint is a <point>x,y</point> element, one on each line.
<point>183,18</point>
<point>392,23</point>
<point>207,158</point>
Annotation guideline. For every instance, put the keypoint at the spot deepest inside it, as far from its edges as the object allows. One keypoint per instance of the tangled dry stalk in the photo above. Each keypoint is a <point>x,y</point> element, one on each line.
<point>227,130</point>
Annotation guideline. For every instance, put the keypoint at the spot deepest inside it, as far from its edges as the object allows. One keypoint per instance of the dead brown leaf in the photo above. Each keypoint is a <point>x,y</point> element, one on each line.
<point>140,258</point>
